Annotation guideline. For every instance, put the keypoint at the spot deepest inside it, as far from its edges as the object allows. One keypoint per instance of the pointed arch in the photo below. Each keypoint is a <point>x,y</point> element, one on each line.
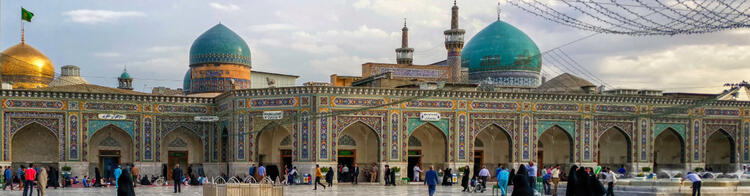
<point>496,148</point>
<point>555,147</point>
<point>25,144</point>
<point>110,141</point>
<point>721,151</point>
<point>433,151</point>
<point>614,147</point>
<point>371,126</point>
<point>182,139</point>
<point>669,150</point>
<point>268,143</point>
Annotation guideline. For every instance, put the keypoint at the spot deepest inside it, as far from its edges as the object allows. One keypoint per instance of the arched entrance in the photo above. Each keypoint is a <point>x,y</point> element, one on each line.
<point>359,144</point>
<point>669,151</point>
<point>427,147</point>
<point>36,144</point>
<point>614,149</point>
<point>555,148</point>
<point>720,152</point>
<point>492,146</point>
<point>181,146</point>
<point>274,149</point>
<point>108,147</point>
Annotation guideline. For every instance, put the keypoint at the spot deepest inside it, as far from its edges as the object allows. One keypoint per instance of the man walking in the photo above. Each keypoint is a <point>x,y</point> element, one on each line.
<point>177,177</point>
<point>532,174</point>
<point>355,174</point>
<point>8,178</point>
<point>610,180</point>
<point>30,174</point>
<point>484,174</point>
<point>374,173</point>
<point>555,178</point>
<point>417,171</point>
<point>118,172</point>
<point>261,172</point>
<point>251,171</point>
<point>318,176</point>
<point>431,180</point>
<point>387,176</point>
<point>696,182</point>
<point>134,171</point>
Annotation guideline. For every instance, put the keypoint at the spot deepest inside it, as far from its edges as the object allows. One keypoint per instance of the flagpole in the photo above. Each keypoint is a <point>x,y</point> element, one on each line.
<point>23,32</point>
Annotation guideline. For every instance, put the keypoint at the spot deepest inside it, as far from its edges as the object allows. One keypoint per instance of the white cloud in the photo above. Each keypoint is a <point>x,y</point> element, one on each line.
<point>107,54</point>
<point>688,68</point>
<point>98,16</point>
<point>158,49</point>
<point>271,27</point>
<point>222,7</point>
<point>341,65</point>
<point>319,49</point>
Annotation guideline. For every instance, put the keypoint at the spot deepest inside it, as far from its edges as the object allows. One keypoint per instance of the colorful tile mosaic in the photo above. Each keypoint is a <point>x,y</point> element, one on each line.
<point>182,109</point>
<point>110,106</point>
<point>324,139</point>
<point>429,104</point>
<point>394,136</point>
<point>557,107</point>
<point>274,102</point>
<point>461,136</point>
<point>644,138</point>
<point>147,131</point>
<point>494,105</point>
<point>616,108</point>
<point>241,137</point>
<point>37,104</point>
<point>721,112</point>
<point>696,140</point>
<point>357,101</point>
<point>73,141</point>
<point>587,139</point>
<point>305,135</point>
<point>746,141</point>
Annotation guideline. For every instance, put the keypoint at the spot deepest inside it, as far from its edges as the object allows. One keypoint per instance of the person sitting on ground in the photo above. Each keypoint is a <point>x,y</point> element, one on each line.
<point>85,181</point>
<point>145,180</point>
<point>194,180</point>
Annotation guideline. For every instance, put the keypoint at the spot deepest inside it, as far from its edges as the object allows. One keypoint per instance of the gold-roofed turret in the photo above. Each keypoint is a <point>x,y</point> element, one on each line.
<point>25,67</point>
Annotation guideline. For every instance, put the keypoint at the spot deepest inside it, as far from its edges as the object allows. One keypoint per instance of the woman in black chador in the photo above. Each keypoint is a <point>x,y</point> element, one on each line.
<point>125,184</point>
<point>521,183</point>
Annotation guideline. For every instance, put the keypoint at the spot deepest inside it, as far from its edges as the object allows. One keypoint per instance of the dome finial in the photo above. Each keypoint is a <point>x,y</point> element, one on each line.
<point>404,22</point>
<point>498,10</point>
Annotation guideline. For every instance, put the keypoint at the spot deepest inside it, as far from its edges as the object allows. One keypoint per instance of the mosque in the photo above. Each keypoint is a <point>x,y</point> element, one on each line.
<point>486,104</point>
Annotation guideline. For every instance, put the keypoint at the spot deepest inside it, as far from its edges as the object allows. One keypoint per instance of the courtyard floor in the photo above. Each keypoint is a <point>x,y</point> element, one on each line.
<point>343,190</point>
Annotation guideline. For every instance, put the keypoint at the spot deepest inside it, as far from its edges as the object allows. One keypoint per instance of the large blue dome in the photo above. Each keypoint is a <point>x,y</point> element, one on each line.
<point>503,55</point>
<point>219,45</point>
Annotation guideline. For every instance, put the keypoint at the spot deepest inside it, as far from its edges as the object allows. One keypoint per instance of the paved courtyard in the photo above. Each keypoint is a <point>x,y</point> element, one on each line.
<point>343,190</point>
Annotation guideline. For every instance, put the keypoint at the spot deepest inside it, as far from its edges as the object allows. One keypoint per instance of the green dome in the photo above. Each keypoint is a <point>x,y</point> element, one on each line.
<point>219,45</point>
<point>186,81</point>
<point>502,54</point>
<point>125,75</point>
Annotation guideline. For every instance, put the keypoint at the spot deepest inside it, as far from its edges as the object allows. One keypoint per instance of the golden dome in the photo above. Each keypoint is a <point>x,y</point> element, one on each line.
<point>26,67</point>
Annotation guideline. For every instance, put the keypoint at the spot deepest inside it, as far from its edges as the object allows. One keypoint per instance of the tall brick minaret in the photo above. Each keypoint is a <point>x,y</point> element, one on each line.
<point>404,55</point>
<point>454,42</point>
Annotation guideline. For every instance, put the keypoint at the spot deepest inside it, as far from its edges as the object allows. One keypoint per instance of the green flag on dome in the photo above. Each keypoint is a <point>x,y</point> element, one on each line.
<point>26,15</point>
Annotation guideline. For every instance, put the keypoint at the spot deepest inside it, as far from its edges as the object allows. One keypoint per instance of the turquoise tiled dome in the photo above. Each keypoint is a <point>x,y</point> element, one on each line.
<point>125,75</point>
<point>219,45</point>
<point>186,81</point>
<point>502,54</point>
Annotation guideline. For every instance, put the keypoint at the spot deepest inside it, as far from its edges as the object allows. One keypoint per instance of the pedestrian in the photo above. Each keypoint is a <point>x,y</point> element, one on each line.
<point>622,170</point>
<point>465,179</point>
<point>293,174</point>
<point>261,172</point>
<point>610,180</point>
<point>511,176</point>
<point>546,178</point>
<point>318,176</point>
<point>484,174</point>
<point>97,177</point>
<point>30,177</point>
<point>502,180</point>
<point>190,170</point>
<point>446,176</point>
<point>177,177</point>
<point>693,177</point>
<point>251,171</point>
<point>135,172</point>
<point>521,182</point>
<point>344,175</point>
<point>597,188</point>
<point>572,187</point>
<point>431,180</point>
<point>393,176</point>
<point>164,172</point>
<point>329,177</point>
<point>20,176</point>
<point>126,185</point>
<point>387,175</point>
<point>54,177</point>
<point>555,174</point>
<point>532,174</point>
<point>117,173</point>
<point>42,181</point>
<point>417,171</point>
<point>583,184</point>
<point>374,173</point>
<point>8,175</point>
<point>355,174</point>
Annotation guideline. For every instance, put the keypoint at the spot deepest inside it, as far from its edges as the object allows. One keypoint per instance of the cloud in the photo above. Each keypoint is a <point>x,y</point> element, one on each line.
<point>159,49</point>
<point>98,16</point>
<point>687,68</point>
<point>341,65</point>
<point>107,54</point>
<point>271,27</point>
<point>222,7</point>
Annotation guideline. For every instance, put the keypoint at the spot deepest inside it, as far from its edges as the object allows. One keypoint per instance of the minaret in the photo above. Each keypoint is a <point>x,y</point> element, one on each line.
<point>454,42</point>
<point>125,81</point>
<point>404,55</point>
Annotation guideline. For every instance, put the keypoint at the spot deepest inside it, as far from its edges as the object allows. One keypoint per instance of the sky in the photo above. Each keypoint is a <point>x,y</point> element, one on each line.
<point>316,38</point>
